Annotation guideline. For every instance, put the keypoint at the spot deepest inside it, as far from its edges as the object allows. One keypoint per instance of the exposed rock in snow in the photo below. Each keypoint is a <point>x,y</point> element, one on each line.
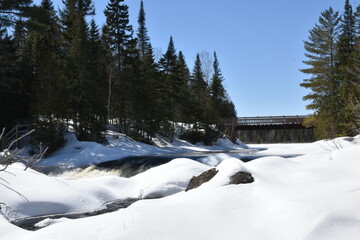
<point>196,181</point>
<point>241,178</point>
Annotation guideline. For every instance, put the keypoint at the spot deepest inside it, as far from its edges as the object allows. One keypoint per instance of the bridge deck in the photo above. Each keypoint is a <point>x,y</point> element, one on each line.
<point>271,120</point>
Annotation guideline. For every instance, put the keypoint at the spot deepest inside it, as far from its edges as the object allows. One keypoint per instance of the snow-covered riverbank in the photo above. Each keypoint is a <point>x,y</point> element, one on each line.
<point>313,196</point>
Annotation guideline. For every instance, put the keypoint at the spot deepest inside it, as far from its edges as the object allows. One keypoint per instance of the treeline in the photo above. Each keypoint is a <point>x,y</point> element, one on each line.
<point>333,52</point>
<point>59,71</point>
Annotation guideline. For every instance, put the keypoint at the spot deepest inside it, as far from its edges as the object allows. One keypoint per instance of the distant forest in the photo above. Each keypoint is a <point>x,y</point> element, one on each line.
<point>333,59</point>
<point>60,71</point>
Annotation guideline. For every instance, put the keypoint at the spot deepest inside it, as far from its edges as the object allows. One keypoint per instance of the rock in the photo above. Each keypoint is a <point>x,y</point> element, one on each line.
<point>202,178</point>
<point>241,177</point>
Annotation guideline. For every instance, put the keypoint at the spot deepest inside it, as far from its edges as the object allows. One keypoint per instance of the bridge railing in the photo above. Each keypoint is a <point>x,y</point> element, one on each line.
<point>271,120</point>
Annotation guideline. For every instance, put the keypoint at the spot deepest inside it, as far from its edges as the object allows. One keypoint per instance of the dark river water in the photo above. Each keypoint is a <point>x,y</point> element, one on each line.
<point>133,165</point>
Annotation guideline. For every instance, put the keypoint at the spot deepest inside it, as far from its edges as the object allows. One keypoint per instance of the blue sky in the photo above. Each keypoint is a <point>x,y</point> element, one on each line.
<point>259,44</point>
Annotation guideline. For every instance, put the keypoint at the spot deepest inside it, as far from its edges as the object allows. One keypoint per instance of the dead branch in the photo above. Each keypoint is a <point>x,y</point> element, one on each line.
<point>9,157</point>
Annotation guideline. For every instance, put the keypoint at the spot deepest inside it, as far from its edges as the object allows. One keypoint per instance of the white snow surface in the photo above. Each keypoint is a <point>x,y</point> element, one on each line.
<point>315,196</point>
<point>80,153</point>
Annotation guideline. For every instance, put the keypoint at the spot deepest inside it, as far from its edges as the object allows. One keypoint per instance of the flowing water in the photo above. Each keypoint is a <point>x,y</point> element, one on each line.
<point>133,165</point>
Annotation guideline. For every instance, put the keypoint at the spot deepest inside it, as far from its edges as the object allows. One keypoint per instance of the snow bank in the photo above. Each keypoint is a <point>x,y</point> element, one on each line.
<point>315,196</point>
<point>29,193</point>
<point>81,153</point>
<point>289,199</point>
<point>322,146</point>
<point>169,178</point>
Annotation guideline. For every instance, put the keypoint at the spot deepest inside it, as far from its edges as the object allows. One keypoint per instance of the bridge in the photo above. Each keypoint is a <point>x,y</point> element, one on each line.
<point>273,129</point>
<point>271,122</point>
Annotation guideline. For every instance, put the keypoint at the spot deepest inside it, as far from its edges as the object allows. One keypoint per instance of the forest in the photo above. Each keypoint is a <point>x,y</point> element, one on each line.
<point>62,72</point>
<point>333,60</point>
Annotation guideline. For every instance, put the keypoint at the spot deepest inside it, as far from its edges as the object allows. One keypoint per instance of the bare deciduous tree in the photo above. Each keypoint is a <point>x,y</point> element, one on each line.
<point>207,61</point>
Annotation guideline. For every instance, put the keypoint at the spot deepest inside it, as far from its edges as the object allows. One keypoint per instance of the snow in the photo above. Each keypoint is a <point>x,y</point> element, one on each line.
<point>80,153</point>
<point>314,196</point>
<point>25,195</point>
<point>49,221</point>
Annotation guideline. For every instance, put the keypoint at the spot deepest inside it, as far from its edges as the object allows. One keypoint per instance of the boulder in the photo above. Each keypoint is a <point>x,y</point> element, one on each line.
<point>238,178</point>
<point>241,177</point>
<point>202,178</point>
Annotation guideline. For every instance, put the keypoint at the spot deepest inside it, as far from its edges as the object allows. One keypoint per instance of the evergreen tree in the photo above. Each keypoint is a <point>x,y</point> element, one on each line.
<point>202,94</point>
<point>168,61</point>
<point>352,100</point>
<point>12,10</point>
<point>119,36</point>
<point>184,97</point>
<point>321,51</point>
<point>151,99</point>
<point>142,32</point>
<point>168,67</point>
<point>222,106</point>
<point>10,107</point>
<point>217,90</point>
<point>97,85</point>
<point>345,50</point>
<point>24,67</point>
<point>79,79</point>
<point>47,88</point>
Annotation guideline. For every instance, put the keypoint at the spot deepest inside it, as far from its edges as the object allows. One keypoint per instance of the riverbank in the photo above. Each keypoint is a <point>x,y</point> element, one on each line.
<point>312,196</point>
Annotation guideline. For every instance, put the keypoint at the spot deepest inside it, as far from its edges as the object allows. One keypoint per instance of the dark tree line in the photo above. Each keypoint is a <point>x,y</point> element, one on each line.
<point>333,52</point>
<point>59,71</point>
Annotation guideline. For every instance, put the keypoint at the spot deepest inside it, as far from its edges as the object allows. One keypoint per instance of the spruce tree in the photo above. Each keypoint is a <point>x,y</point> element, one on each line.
<point>9,83</point>
<point>223,109</point>
<point>97,85</point>
<point>217,90</point>
<point>151,100</point>
<point>80,106</point>
<point>184,97</point>
<point>202,94</point>
<point>12,10</point>
<point>142,32</point>
<point>321,51</point>
<point>47,89</point>
<point>352,100</point>
<point>168,64</point>
<point>345,51</point>
<point>119,36</point>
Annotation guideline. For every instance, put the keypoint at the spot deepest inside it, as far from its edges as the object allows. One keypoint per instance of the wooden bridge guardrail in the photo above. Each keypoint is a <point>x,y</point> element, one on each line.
<point>271,120</point>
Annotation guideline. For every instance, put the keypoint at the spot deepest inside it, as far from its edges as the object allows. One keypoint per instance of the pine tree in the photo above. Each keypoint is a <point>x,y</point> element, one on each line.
<point>168,64</point>
<point>142,32</point>
<point>47,89</point>
<point>119,36</point>
<point>201,91</point>
<point>119,30</point>
<point>97,86</point>
<point>217,90</point>
<point>352,100</point>
<point>321,51</point>
<point>168,61</point>
<point>345,51</point>
<point>12,10</point>
<point>185,100</point>
<point>79,80</point>
<point>9,83</point>
<point>24,67</point>
<point>223,109</point>
<point>151,100</point>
